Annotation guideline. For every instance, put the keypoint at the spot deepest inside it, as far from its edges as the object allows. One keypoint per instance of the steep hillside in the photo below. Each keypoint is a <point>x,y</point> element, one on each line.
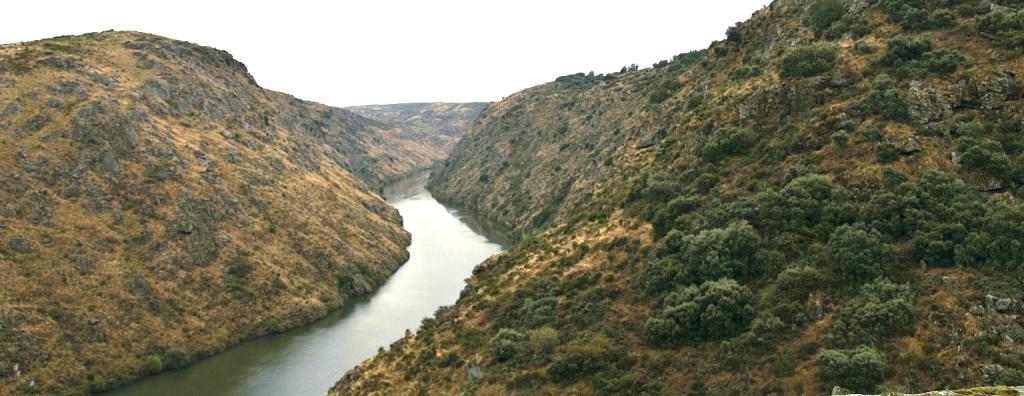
<point>830,196</point>
<point>156,205</point>
<point>435,125</point>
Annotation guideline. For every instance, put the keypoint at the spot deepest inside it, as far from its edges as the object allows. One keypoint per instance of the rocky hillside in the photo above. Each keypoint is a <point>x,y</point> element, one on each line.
<point>831,196</point>
<point>157,205</point>
<point>435,125</point>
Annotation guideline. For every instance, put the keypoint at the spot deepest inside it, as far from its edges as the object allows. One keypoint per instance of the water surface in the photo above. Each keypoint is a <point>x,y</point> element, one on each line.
<point>446,245</point>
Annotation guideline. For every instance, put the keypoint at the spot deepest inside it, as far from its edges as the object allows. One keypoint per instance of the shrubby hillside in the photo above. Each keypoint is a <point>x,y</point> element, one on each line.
<point>157,205</point>
<point>831,196</point>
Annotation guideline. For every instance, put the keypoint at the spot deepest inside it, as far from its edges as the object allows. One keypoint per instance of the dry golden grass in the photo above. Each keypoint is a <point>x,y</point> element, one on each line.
<point>112,278</point>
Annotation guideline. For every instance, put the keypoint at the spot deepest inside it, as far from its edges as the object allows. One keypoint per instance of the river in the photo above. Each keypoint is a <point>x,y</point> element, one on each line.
<point>446,245</point>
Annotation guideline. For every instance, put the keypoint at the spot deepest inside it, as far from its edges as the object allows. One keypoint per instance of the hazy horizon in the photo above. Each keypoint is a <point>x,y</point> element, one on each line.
<point>387,52</point>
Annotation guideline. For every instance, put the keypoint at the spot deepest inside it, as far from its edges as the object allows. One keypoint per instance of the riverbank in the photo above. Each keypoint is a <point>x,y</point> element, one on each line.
<point>446,245</point>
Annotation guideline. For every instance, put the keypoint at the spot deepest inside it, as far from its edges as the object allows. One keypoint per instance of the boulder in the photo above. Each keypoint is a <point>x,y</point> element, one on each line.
<point>474,372</point>
<point>927,104</point>
<point>19,244</point>
<point>990,373</point>
<point>911,146</point>
<point>37,121</point>
<point>60,62</point>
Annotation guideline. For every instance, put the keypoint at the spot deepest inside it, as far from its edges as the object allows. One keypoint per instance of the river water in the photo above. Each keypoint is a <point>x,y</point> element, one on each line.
<point>446,245</point>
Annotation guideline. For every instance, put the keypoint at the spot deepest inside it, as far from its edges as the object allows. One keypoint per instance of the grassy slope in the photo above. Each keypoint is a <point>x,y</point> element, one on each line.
<point>158,204</point>
<point>585,168</point>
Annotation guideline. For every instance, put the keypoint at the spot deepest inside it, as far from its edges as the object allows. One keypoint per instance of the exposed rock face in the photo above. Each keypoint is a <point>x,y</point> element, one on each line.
<point>154,199</point>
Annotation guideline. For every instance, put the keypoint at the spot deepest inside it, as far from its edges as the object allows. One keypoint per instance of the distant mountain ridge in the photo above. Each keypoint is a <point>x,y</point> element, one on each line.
<point>437,125</point>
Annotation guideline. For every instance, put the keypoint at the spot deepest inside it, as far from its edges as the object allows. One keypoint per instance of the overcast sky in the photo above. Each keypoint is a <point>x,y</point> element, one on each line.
<point>345,53</point>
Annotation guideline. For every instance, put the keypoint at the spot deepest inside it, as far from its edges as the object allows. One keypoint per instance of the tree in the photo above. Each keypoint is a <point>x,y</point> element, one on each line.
<point>708,255</point>
<point>665,217</point>
<point>175,358</point>
<point>726,142</point>
<point>797,207</point>
<point>720,252</point>
<point>859,369</point>
<point>153,364</point>
<point>713,310</point>
<point>808,61</point>
<point>886,101</point>
<point>859,255</point>
<point>505,345</point>
<point>823,13</point>
<point>882,310</point>
<point>901,49</point>
<point>887,152</point>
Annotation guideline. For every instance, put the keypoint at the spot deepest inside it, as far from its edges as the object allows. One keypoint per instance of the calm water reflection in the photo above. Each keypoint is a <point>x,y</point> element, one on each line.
<point>446,245</point>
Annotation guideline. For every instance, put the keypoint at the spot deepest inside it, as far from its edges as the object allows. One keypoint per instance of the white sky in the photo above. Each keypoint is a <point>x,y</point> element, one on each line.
<point>346,53</point>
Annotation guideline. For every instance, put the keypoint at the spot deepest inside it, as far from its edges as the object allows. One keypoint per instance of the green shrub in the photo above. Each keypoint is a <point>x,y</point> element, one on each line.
<point>985,156</point>
<point>855,25</point>
<point>273,325</point>
<point>997,242</point>
<point>716,253</point>
<point>1011,377</point>
<point>887,152</point>
<point>585,357</point>
<point>238,266</point>
<point>913,15</point>
<point>901,49</point>
<point>542,341</point>
<point>913,58</point>
<point>943,61</point>
<point>175,358</point>
<point>840,138</point>
<point>504,346</point>
<point>746,71</point>
<point>999,22</point>
<point>766,330</point>
<point>886,101</point>
<point>864,47</point>
<point>153,364</point>
<point>797,283</point>
<point>658,187</point>
<point>726,142</point>
<point>665,218</point>
<point>942,19</point>
<point>797,207</point>
<point>659,95</point>
<point>713,310</point>
<point>860,369</point>
<point>708,255</point>
<point>859,255</point>
<point>882,310</point>
<point>914,19</point>
<point>343,281</point>
<point>823,13</point>
<point>665,90</point>
<point>808,61</point>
